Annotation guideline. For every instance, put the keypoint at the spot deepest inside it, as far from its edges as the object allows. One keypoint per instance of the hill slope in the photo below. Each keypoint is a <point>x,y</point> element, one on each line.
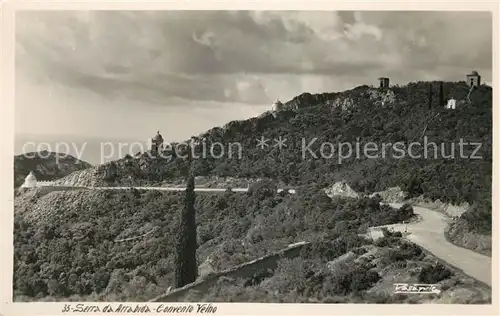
<point>404,118</point>
<point>75,246</point>
<point>234,228</point>
<point>364,115</point>
<point>47,166</point>
<point>71,243</point>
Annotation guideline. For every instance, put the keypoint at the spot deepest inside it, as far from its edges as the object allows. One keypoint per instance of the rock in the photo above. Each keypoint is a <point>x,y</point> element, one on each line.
<point>338,262</point>
<point>392,195</point>
<point>206,267</point>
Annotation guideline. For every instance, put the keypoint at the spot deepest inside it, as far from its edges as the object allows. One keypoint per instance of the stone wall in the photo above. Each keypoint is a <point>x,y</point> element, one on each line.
<point>242,271</point>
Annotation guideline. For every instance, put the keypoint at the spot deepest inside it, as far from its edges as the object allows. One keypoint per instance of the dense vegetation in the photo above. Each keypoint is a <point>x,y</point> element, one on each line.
<point>46,166</point>
<point>320,275</point>
<point>71,250</point>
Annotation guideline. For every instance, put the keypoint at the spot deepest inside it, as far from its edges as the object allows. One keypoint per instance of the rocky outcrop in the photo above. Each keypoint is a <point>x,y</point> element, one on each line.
<point>341,189</point>
<point>461,235</point>
<point>307,99</point>
<point>391,195</point>
<point>449,209</point>
<point>344,104</point>
<point>37,205</point>
<point>337,263</point>
<point>382,98</point>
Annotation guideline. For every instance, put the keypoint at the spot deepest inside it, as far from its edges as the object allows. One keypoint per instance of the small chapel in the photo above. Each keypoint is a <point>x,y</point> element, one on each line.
<point>30,181</point>
<point>277,106</point>
<point>157,142</point>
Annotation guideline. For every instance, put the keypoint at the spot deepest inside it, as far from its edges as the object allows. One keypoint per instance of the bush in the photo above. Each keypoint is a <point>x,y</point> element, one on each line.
<point>329,250</point>
<point>386,232</point>
<point>405,212</point>
<point>353,278</point>
<point>397,234</point>
<point>434,274</point>
<point>404,251</point>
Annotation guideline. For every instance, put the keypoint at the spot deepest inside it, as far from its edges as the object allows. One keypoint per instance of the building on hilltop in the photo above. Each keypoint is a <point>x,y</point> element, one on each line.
<point>473,79</point>
<point>452,103</point>
<point>384,82</point>
<point>157,142</point>
<point>30,181</point>
<point>277,106</point>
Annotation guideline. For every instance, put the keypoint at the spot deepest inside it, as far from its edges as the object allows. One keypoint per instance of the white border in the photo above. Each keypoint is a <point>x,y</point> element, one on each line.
<point>7,119</point>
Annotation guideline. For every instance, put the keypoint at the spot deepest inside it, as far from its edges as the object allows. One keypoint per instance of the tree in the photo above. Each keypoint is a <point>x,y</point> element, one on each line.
<point>111,173</point>
<point>186,267</point>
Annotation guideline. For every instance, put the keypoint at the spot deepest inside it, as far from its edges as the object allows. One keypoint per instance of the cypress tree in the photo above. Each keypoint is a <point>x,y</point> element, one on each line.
<point>430,97</point>
<point>441,94</point>
<point>186,267</point>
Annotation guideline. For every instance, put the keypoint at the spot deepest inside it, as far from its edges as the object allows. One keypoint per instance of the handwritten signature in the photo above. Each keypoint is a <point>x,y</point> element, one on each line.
<point>416,288</point>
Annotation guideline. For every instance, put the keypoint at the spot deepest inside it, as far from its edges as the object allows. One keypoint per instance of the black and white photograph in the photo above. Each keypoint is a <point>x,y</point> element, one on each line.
<point>252,156</point>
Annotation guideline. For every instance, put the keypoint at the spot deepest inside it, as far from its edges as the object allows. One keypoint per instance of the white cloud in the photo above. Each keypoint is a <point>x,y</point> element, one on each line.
<point>194,59</point>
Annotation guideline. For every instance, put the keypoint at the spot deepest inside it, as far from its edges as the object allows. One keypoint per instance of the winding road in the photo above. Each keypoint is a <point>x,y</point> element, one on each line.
<point>429,234</point>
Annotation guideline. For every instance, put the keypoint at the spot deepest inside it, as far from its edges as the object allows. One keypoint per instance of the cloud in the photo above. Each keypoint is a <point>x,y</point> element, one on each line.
<point>241,56</point>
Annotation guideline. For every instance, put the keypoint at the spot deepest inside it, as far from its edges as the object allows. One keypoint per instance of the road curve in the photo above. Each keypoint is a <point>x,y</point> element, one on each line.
<point>429,234</point>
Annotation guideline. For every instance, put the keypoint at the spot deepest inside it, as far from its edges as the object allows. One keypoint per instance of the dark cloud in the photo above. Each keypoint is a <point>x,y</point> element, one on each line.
<point>238,56</point>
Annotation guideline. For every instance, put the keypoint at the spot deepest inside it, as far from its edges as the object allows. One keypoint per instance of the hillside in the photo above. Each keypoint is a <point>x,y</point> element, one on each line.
<point>89,226</point>
<point>47,166</point>
<point>400,114</point>
<point>364,113</point>
<point>73,246</point>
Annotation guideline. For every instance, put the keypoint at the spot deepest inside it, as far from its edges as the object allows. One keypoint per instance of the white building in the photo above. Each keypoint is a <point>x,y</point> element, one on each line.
<point>45,183</point>
<point>30,181</point>
<point>277,106</point>
<point>452,104</point>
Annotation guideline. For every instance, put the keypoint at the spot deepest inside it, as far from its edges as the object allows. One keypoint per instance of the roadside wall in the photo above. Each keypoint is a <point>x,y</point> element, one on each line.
<point>242,271</point>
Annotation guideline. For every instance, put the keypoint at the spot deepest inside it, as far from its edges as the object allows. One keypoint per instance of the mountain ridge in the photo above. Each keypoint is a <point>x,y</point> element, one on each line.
<point>46,166</point>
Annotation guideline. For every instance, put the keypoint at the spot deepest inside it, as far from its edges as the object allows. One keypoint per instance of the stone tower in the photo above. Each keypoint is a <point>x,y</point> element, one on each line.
<point>384,82</point>
<point>473,79</point>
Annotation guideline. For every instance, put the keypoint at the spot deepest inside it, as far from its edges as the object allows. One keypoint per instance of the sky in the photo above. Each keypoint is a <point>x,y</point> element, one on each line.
<point>127,74</point>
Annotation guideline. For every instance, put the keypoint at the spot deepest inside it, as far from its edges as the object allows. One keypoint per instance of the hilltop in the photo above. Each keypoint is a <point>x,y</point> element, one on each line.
<point>363,115</point>
<point>399,114</point>
<point>46,166</point>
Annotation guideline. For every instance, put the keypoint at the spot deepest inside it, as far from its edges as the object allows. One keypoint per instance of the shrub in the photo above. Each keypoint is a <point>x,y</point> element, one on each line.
<point>359,251</point>
<point>397,234</point>
<point>386,232</point>
<point>353,278</point>
<point>434,274</point>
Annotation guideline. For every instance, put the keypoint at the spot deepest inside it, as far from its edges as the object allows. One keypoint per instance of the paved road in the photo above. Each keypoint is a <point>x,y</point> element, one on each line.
<point>292,191</point>
<point>429,234</point>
